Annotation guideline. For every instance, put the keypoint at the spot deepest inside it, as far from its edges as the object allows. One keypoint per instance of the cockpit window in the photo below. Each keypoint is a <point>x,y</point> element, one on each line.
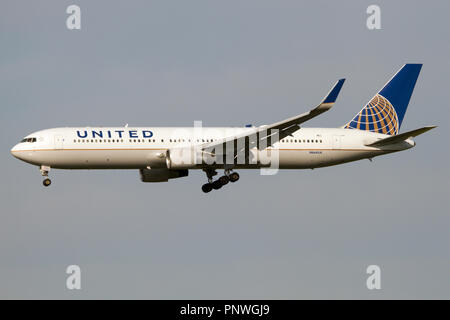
<point>29,140</point>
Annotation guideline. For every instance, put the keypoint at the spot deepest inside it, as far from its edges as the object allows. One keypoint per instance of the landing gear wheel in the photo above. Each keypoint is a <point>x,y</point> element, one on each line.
<point>224,180</point>
<point>234,177</point>
<point>217,185</point>
<point>207,187</point>
<point>47,182</point>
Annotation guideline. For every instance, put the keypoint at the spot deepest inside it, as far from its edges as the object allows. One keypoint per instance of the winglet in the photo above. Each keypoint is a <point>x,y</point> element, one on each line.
<point>331,97</point>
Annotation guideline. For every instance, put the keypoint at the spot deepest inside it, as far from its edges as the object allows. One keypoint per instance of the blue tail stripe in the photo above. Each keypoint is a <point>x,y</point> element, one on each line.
<point>399,90</point>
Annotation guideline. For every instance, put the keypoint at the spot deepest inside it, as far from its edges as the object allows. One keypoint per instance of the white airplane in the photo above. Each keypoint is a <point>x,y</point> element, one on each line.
<point>161,154</point>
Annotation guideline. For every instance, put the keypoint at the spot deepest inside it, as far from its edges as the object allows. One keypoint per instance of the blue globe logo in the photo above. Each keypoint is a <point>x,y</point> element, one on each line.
<point>377,116</point>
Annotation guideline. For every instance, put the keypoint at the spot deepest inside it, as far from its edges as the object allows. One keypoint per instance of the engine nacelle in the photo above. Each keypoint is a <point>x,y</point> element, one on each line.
<point>182,158</point>
<point>161,175</point>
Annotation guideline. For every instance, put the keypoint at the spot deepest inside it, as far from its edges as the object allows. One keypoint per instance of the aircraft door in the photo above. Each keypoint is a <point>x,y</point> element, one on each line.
<point>337,142</point>
<point>59,141</point>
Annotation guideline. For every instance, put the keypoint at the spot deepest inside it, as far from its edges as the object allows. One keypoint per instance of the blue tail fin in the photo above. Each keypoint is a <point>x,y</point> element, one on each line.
<point>385,112</point>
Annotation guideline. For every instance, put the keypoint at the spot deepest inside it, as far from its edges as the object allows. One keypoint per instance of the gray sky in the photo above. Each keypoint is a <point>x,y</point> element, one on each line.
<point>298,234</point>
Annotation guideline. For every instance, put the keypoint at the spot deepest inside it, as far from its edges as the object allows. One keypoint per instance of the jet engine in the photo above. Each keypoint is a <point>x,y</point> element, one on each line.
<point>161,175</point>
<point>181,158</point>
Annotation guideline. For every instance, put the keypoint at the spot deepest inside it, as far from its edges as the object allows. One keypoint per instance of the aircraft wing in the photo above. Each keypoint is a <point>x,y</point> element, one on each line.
<point>266,135</point>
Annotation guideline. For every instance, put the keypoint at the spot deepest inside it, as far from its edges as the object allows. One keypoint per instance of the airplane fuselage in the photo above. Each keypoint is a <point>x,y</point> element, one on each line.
<point>138,148</point>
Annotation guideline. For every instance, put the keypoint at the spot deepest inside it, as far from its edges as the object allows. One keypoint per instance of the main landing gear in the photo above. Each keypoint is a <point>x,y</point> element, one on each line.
<point>44,171</point>
<point>219,183</point>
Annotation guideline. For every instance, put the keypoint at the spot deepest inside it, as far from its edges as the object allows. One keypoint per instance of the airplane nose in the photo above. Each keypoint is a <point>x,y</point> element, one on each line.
<point>14,151</point>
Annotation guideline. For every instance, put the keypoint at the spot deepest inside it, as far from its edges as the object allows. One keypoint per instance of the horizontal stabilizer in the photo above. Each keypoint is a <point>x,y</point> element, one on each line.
<point>400,137</point>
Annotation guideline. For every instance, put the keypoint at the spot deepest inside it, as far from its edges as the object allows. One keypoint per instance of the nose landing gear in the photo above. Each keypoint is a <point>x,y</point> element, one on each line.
<point>219,183</point>
<point>44,172</point>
